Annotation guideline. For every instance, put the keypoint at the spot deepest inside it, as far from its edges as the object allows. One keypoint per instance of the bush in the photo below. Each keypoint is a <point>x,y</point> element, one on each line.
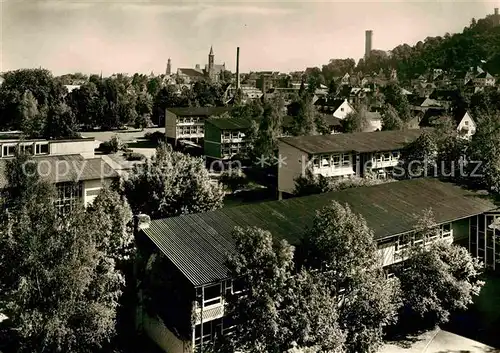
<point>155,137</point>
<point>134,156</point>
<point>233,179</point>
<point>112,146</point>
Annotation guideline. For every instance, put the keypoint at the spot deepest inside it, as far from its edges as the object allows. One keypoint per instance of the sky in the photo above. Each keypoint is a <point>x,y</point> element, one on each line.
<point>129,36</point>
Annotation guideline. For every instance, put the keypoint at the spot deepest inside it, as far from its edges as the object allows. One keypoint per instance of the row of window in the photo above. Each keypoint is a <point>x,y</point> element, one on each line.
<point>332,160</point>
<point>228,135</point>
<point>229,150</point>
<point>30,148</point>
<point>386,156</point>
<point>190,130</point>
<point>189,120</point>
<point>407,240</point>
<point>212,295</point>
<point>69,195</point>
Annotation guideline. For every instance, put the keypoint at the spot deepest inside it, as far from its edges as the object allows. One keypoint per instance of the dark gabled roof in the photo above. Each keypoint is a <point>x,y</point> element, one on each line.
<point>331,103</point>
<point>358,141</point>
<point>230,123</point>
<point>198,244</point>
<point>66,168</point>
<point>198,111</point>
<point>191,72</point>
<point>430,116</point>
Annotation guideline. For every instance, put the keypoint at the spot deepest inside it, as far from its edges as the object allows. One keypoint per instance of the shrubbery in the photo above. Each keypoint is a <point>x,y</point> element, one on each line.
<point>112,146</point>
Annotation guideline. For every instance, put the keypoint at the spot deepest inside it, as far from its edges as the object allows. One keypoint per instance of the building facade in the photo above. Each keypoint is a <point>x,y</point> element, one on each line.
<point>194,248</point>
<point>189,123</point>
<point>341,155</point>
<point>225,137</point>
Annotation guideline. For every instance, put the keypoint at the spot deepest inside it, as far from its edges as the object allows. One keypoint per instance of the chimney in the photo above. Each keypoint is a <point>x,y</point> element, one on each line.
<point>238,68</point>
<point>368,43</point>
<point>496,11</point>
<point>197,67</point>
<point>264,86</point>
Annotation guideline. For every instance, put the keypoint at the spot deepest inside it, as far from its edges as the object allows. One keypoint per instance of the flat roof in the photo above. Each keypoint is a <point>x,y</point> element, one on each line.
<point>198,244</point>
<point>198,111</point>
<point>66,168</point>
<point>230,123</point>
<point>358,141</point>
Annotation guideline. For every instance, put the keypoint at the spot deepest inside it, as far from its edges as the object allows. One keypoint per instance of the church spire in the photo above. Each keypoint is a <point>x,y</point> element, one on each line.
<point>211,51</point>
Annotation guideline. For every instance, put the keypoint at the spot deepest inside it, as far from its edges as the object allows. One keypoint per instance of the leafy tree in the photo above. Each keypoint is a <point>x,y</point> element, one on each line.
<point>87,104</point>
<point>233,179</point>
<point>32,120</point>
<point>356,121</point>
<point>171,184</point>
<point>436,279</point>
<point>278,307</point>
<point>62,292</point>
<point>305,116</point>
<point>61,123</point>
<point>390,119</point>
<point>165,98</point>
<point>395,97</point>
<point>484,152</point>
<point>418,157</point>
<point>264,269</point>
<point>341,245</point>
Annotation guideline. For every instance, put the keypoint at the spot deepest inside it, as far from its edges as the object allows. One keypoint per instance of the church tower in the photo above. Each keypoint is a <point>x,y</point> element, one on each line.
<point>211,58</point>
<point>169,67</point>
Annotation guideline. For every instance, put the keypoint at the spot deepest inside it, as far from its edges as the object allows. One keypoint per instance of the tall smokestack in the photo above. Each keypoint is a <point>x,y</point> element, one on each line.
<point>368,43</point>
<point>238,68</point>
<point>496,11</point>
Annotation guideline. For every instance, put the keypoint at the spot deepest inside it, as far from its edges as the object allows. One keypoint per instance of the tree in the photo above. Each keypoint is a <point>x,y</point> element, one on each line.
<point>484,153</point>
<point>436,279</point>
<point>390,119</point>
<point>171,184</point>
<point>341,245</point>
<point>356,121</point>
<point>418,157</point>
<point>278,307</point>
<point>62,292</point>
<point>305,116</point>
<point>61,123</point>
<point>394,96</point>
<point>32,120</point>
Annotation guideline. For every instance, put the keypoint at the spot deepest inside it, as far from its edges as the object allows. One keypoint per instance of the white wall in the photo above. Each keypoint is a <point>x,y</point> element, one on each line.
<point>91,189</point>
<point>82,147</point>
<point>471,125</point>
<point>342,111</point>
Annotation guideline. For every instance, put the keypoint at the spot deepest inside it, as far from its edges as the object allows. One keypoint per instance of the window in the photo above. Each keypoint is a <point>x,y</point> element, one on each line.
<point>325,161</point>
<point>378,157</point>
<point>336,160</point>
<point>341,109</point>
<point>9,150</point>
<point>68,196</point>
<point>315,162</point>
<point>42,148</point>
<point>446,230</point>
<point>346,159</point>
<point>466,123</point>
<point>212,295</point>
<point>387,156</point>
<point>395,155</point>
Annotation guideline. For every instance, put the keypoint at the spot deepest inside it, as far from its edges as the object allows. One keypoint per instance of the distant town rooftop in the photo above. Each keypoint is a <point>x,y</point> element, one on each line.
<point>361,142</point>
<point>198,244</point>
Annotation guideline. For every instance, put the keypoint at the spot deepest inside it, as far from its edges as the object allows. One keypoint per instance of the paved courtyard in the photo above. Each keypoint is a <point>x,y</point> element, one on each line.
<point>439,341</point>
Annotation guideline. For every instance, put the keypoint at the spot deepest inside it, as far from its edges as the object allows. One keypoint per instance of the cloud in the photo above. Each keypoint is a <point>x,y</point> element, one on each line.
<point>209,13</point>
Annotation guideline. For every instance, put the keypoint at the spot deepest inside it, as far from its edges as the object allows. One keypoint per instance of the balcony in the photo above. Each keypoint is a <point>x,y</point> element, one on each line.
<point>211,312</point>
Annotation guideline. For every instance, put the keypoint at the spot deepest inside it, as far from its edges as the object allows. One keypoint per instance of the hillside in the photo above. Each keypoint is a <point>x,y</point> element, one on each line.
<point>457,52</point>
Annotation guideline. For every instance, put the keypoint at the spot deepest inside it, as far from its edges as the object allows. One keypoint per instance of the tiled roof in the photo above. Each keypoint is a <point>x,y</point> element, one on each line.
<point>358,141</point>
<point>230,123</point>
<point>198,244</point>
<point>66,168</point>
<point>198,111</point>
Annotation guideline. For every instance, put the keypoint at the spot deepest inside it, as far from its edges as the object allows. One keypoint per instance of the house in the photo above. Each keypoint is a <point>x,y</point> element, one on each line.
<point>188,123</point>
<point>225,137</point>
<point>70,165</point>
<point>424,89</point>
<point>466,127</point>
<point>339,108</point>
<point>445,97</point>
<point>340,155</point>
<point>193,248</point>
<point>484,79</point>
<point>419,104</point>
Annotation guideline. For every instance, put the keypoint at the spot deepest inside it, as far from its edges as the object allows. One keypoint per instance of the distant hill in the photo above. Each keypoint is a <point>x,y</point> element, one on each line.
<point>451,52</point>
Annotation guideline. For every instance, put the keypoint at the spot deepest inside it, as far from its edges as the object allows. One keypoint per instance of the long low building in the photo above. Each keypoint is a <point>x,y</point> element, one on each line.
<point>341,155</point>
<point>195,247</point>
